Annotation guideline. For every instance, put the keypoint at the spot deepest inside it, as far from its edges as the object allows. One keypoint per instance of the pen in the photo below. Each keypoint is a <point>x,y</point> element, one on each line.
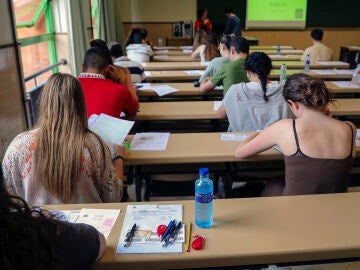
<point>171,223</point>
<point>188,237</point>
<point>129,236</point>
<point>168,236</point>
<point>173,234</point>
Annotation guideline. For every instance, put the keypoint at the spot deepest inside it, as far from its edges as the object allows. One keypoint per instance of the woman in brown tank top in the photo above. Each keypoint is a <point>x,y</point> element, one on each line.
<point>318,150</point>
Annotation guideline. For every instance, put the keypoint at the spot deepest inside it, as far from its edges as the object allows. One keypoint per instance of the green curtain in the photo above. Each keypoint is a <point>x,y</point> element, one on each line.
<point>110,23</point>
<point>79,20</point>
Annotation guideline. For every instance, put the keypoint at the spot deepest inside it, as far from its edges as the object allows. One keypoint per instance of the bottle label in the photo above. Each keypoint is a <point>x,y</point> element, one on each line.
<point>204,198</point>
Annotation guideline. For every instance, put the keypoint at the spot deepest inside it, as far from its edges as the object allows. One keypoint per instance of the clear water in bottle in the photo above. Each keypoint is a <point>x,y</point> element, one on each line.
<point>204,188</point>
<point>356,75</point>
<point>160,42</point>
<point>283,73</point>
<point>278,49</point>
<point>307,63</point>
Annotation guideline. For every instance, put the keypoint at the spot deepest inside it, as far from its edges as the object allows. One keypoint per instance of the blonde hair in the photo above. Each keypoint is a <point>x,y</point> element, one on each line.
<point>61,136</point>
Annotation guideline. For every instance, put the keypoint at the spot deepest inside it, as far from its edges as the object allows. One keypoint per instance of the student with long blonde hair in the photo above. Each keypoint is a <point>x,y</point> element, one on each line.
<point>62,161</point>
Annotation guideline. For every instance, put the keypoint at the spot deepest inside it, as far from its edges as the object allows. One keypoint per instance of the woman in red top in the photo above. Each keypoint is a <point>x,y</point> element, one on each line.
<point>203,22</point>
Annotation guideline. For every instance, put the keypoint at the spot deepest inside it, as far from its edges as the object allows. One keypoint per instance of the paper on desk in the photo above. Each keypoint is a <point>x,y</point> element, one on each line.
<point>147,219</point>
<point>161,56</point>
<point>324,71</point>
<point>194,72</point>
<point>186,47</point>
<point>147,73</point>
<point>220,87</point>
<point>71,215</point>
<point>162,51</point>
<point>144,86</point>
<point>101,219</point>
<point>163,90</point>
<point>234,137</point>
<point>217,105</point>
<point>204,64</point>
<point>187,50</point>
<point>331,63</point>
<point>112,130</point>
<point>150,141</point>
<point>345,71</point>
<point>345,84</point>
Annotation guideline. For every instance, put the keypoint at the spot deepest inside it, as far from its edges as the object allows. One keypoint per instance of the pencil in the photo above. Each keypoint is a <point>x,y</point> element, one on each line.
<point>188,237</point>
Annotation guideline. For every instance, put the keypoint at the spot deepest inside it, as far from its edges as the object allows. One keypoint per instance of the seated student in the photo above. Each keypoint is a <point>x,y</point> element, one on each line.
<point>318,150</point>
<point>257,104</point>
<point>136,69</point>
<point>32,241</point>
<point>318,51</point>
<point>232,72</point>
<point>199,39</point>
<point>217,62</point>
<point>62,161</point>
<point>137,48</point>
<point>209,50</point>
<point>103,95</point>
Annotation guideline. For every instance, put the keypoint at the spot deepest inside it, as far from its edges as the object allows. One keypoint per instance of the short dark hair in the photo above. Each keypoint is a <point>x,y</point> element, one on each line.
<point>116,50</point>
<point>226,40</point>
<point>240,44</point>
<point>101,44</point>
<point>96,58</point>
<point>317,34</point>
<point>228,10</point>
<point>200,12</point>
<point>136,36</point>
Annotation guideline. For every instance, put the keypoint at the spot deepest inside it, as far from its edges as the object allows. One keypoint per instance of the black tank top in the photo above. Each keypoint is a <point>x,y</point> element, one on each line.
<point>307,175</point>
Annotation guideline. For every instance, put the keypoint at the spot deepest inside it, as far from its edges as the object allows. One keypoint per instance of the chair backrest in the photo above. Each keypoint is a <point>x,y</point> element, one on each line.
<point>34,100</point>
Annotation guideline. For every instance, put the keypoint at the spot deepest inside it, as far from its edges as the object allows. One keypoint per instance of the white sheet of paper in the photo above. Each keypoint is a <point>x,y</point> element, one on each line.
<point>144,64</point>
<point>112,130</point>
<point>233,137</point>
<point>324,71</point>
<point>357,137</point>
<point>101,219</point>
<point>156,141</point>
<point>187,50</point>
<point>186,47</point>
<point>194,72</point>
<point>162,51</point>
<point>163,90</point>
<point>147,219</point>
<point>345,71</point>
<point>345,84</point>
<point>147,73</point>
<point>217,105</point>
<point>161,56</point>
<point>145,86</point>
<point>71,215</point>
<point>220,88</point>
<point>330,63</point>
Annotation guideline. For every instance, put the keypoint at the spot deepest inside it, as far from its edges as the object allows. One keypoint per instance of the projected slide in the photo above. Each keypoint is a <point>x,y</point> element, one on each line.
<point>275,14</point>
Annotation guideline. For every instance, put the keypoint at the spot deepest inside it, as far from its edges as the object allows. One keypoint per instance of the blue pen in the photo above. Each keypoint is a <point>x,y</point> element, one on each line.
<point>174,233</point>
<point>171,223</point>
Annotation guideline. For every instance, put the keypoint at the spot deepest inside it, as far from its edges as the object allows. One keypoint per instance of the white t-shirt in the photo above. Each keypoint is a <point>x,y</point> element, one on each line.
<point>139,52</point>
<point>247,110</point>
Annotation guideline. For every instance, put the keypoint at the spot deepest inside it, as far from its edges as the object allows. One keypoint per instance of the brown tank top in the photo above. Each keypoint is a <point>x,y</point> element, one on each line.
<point>307,175</point>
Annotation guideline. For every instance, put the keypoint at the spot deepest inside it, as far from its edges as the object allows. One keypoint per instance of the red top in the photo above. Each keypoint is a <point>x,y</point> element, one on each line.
<point>105,96</point>
<point>199,23</point>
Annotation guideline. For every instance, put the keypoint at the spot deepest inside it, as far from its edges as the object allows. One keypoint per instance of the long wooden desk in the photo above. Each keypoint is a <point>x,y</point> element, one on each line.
<point>252,231</point>
<point>254,47</point>
<point>267,51</point>
<point>189,90</point>
<point>187,58</point>
<point>275,63</point>
<point>192,110</point>
<point>181,75</point>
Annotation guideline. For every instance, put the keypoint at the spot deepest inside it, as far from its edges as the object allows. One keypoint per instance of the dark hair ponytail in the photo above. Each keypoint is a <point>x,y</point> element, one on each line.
<point>260,64</point>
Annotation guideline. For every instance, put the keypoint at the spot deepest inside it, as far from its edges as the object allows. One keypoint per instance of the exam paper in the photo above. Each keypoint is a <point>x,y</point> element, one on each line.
<point>324,71</point>
<point>147,219</point>
<point>194,72</point>
<point>150,141</point>
<point>147,73</point>
<point>217,105</point>
<point>331,63</point>
<point>233,137</point>
<point>163,90</point>
<point>345,84</point>
<point>345,71</point>
<point>101,219</point>
<point>112,130</point>
<point>187,50</point>
<point>144,86</point>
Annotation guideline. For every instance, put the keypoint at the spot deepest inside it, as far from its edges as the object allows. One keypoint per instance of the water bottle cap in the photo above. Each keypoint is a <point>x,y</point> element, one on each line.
<point>203,171</point>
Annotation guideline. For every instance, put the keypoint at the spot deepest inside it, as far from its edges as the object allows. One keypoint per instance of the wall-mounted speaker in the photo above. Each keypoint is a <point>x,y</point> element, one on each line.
<point>177,30</point>
<point>187,29</point>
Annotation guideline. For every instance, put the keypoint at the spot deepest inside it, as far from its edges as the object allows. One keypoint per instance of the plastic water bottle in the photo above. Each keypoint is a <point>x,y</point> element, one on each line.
<point>278,49</point>
<point>283,73</point>
<point>160,42</point>
<point>356,75</point>
<point>204,199</point>
<point>202,57</point>
<point>307,63</point>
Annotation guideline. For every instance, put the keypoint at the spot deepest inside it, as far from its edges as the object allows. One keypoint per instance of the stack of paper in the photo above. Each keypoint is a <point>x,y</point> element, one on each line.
<point>147,219</point>
<point>194,72</point>
<point>150,141</point>
<point>233,137</point>
<point>112,130</point>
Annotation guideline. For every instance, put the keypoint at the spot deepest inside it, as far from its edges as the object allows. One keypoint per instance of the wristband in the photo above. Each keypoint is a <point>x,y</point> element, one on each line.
<point>117,156</point>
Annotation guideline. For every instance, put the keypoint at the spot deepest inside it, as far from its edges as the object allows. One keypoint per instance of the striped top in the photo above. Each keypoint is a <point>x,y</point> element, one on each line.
<point>135,68</point>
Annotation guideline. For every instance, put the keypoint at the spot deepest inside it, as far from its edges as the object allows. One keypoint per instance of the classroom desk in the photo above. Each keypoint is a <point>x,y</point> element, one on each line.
<point>189,90</point>
<point>275,63</point>
<point>267,51</point>
<point>259,47</point>
<point>252,231</point>
<point>187,58</point>
<point>181,75</point>
<point>193,110</point>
